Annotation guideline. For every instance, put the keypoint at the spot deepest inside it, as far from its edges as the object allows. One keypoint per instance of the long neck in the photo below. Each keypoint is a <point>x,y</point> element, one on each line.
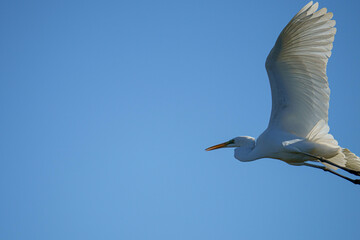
<point>247,153</point>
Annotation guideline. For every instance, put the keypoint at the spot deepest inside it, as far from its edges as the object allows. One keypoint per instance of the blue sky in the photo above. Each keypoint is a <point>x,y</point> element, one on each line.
<point>107,107</point>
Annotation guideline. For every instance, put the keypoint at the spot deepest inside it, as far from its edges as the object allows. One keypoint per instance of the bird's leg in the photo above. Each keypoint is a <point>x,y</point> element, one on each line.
<point>355,181</point>
<point>334,164</point>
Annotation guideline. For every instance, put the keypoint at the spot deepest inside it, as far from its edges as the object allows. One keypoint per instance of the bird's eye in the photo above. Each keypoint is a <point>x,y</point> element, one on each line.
<point>232,141</point>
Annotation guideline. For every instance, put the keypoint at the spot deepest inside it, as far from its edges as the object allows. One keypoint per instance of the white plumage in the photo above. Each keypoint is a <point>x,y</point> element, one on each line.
<point>297,71</point>
<point>298,129</point>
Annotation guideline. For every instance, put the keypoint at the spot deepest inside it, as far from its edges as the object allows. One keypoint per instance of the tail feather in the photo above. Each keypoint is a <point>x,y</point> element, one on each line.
<point>346,159</point>
<point>352,161</point>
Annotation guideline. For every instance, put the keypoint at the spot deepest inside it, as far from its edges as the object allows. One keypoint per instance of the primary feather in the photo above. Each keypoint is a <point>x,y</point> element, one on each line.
<point>296,68</point>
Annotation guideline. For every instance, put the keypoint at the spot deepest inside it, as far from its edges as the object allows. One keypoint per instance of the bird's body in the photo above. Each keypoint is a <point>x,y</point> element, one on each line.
<point>298,129</point>
<point>277,144</point>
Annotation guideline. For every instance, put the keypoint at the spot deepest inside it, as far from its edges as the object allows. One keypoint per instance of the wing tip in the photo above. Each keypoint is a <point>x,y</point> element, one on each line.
<point>305,8</point>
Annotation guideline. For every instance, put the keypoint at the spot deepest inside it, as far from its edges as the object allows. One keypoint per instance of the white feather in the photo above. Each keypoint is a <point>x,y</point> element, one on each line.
<point>298,129</point>
<point>297,71</point>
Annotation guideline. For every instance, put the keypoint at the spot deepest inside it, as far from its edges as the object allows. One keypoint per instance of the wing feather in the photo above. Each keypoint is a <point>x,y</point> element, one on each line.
<point>296,68</point>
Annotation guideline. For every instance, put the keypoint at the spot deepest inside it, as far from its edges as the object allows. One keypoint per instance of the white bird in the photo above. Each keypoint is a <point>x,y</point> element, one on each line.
<point>298,129</point>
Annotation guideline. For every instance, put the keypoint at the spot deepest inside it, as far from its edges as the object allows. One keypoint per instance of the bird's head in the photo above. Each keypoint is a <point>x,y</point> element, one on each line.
<point>235,142</point>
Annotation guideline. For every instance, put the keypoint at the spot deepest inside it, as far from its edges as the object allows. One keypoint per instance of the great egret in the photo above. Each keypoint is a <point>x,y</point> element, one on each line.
<point>298,129</point>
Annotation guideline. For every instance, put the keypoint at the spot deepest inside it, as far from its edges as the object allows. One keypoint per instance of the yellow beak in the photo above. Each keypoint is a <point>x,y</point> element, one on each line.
<point>221,145</point>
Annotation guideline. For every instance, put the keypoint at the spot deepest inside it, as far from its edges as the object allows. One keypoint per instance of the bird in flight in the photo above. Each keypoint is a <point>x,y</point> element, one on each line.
<point>298,130</point>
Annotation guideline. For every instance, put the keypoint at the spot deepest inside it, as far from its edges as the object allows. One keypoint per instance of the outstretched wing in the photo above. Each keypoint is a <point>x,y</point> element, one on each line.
<point>296,67</point>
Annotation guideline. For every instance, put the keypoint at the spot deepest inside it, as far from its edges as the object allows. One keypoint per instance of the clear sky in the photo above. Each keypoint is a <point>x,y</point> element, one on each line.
<point>107,107</point>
